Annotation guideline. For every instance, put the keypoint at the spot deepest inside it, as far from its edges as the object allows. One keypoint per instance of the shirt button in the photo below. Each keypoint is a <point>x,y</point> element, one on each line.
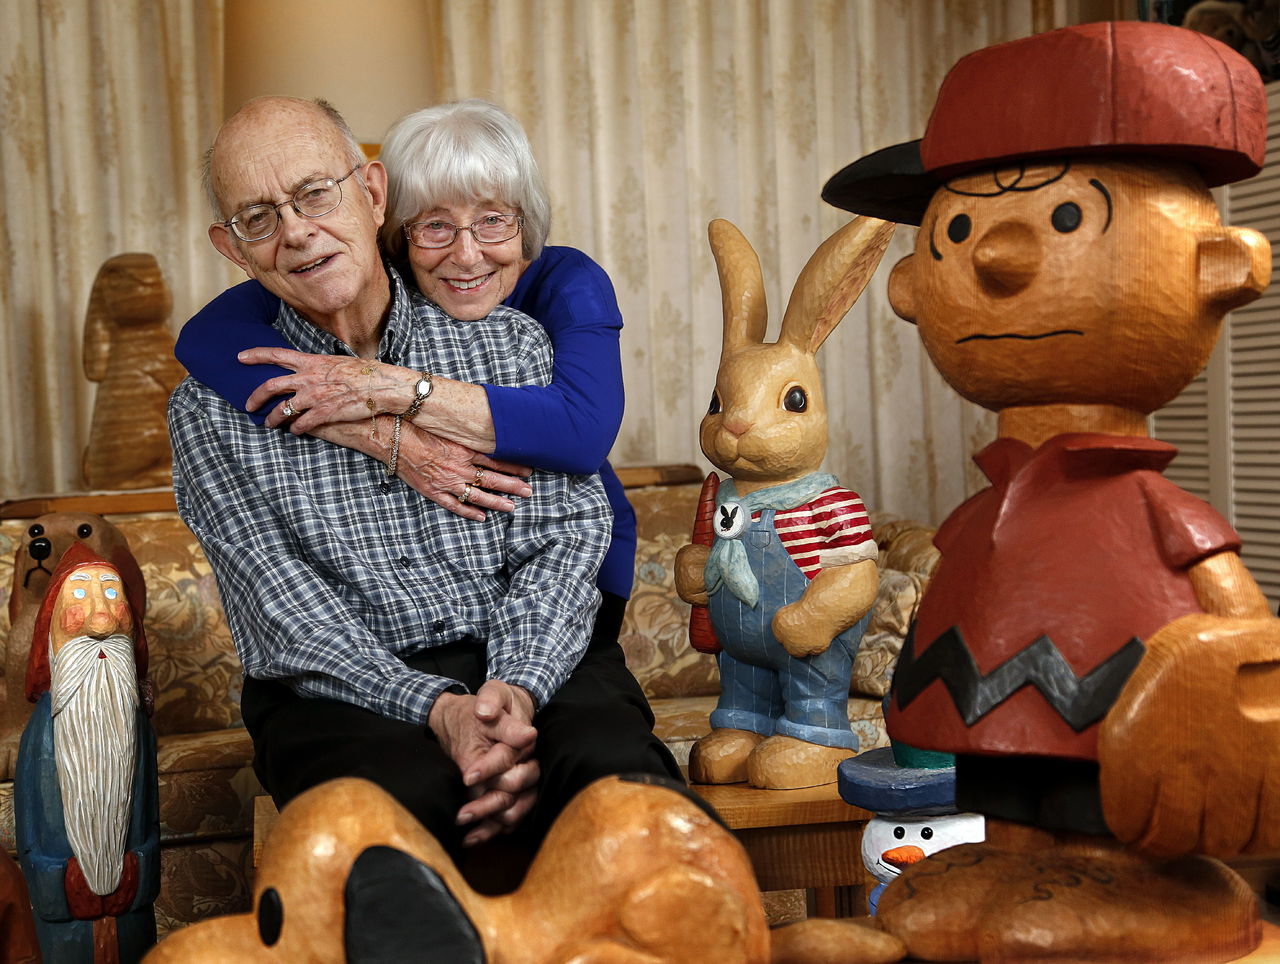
<point>385,487</point>
<point>404,562</point>
<point>438,626</point>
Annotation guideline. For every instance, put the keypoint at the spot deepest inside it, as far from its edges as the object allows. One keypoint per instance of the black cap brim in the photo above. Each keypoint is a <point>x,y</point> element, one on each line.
<point>890,184</point>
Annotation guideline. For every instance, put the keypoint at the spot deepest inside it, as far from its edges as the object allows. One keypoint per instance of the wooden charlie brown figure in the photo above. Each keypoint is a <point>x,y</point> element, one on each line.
<point>1091,646</point>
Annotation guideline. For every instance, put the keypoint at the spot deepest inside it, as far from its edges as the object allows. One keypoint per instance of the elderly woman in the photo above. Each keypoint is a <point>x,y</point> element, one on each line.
<point>467,219</point>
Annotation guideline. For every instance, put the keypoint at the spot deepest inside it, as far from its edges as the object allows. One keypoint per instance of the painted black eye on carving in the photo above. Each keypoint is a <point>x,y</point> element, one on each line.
<point>36,531</point>
<point>714,407</point>
<point>1066,217</point>
<point>85,531</point>
<point>270,916</point>
<point>796,400</point>
<point>899,832</point>
<point>926,833</point>
<point>959,228</point>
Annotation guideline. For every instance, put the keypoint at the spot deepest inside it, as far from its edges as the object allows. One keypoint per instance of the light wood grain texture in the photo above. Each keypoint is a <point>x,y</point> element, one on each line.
<point>128,350</point>
<point>796,839</point>
<point>767,427</point>
<point>628,872</point>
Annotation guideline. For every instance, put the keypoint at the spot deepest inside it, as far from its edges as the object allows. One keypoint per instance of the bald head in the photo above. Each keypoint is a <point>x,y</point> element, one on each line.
<point>265,109</point>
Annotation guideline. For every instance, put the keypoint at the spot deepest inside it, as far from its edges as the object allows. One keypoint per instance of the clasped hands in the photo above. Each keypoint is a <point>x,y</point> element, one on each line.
<point>490,736</point>
<point>334,396</point>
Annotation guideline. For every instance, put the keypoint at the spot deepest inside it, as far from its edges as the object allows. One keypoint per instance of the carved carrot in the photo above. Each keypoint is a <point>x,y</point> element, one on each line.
<point>702,635</point>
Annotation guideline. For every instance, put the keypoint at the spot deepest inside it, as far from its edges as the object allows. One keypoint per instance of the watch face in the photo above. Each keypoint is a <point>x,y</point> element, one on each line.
<point>423,388</point>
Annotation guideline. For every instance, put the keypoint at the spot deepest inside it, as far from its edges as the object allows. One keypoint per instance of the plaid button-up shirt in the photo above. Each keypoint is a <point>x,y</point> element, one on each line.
<point>330,572</point>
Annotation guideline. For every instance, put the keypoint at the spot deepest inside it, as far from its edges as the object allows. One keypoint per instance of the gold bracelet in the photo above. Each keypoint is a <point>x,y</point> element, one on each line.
<point>369,403</point>
<point>395,448</point>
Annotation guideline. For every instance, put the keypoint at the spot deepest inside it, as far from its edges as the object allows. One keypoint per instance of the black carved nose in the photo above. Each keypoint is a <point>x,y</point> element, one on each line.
<point>40,549</point>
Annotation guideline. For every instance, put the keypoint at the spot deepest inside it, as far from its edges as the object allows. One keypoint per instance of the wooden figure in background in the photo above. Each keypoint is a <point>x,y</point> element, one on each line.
<point>634,871</point>
<point>1091,647</point>
<point>85,793</point>
<point>128,350</point>
<point>38,555</point>
<point>792,572</point>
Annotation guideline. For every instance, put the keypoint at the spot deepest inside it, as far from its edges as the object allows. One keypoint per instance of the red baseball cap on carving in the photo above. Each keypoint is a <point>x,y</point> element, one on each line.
<point>1101,88</point>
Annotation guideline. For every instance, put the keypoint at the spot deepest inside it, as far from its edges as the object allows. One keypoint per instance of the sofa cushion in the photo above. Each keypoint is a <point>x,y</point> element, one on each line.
<point>655,631</point>
<point>193,663</point>
<point>891,615</point>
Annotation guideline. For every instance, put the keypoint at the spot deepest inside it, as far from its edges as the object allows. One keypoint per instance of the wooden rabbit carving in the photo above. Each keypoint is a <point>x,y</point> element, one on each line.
<point>792,571</point>
<point>128,350</point>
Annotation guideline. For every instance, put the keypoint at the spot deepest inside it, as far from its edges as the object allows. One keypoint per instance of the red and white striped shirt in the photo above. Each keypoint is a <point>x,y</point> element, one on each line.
<point>832,530</point>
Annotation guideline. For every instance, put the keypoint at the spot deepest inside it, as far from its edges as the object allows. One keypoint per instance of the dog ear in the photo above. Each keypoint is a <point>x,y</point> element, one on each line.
<point>398,909</point>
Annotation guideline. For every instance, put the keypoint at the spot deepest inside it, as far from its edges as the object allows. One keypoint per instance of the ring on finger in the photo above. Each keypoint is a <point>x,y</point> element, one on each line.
<point>466,494</point>
<point>288,411</point>
<point>477,480</point>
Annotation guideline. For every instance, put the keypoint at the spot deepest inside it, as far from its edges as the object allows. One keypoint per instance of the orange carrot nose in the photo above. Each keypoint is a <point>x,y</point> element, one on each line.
<point>903,856</point>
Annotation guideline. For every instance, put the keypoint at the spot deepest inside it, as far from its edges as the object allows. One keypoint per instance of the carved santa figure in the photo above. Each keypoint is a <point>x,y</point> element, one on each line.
<point>85,793</point>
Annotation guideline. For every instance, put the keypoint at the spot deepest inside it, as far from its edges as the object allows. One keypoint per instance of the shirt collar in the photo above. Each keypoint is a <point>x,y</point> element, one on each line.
<point>1004,457</point>
<point>313,339</point>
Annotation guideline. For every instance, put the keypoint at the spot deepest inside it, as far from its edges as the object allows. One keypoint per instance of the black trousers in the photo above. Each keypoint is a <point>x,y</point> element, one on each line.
<point>598,723</point>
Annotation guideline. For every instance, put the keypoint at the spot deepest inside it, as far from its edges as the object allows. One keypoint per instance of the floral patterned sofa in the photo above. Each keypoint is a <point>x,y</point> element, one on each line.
<point>207,785</point>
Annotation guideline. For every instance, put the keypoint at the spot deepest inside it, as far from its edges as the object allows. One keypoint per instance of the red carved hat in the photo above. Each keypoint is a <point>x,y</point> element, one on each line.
<point>1129,87</point>
<point>76,557</point>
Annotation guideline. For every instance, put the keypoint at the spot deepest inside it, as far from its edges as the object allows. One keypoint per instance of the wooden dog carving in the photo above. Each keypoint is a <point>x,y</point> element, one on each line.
<point>633,872</point>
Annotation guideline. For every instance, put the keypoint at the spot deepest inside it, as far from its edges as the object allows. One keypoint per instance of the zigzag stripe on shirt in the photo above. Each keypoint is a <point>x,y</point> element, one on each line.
<point>1080,701</point>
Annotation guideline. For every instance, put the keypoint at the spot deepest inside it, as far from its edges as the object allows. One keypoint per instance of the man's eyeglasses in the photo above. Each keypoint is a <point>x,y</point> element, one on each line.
<point>490,229</point>
<point>315,199</point>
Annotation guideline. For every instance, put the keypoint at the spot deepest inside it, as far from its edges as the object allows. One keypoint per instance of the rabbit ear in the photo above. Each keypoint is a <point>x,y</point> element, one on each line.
<point>741,285</point>
<point>832,280</point>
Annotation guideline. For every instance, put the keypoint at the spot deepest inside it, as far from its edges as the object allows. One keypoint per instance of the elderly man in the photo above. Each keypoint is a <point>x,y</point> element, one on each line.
<point>383,637</point>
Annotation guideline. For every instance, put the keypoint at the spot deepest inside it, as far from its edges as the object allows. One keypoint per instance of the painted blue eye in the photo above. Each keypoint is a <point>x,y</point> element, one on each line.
<point>78,592</point>
<point>110,592</point>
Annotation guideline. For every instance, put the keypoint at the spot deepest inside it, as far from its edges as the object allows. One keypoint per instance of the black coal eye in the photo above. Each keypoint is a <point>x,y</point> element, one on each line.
<point>85,531</point>
<point>796,400</point>
<point>36,531</point>
<point>927,833</point>
<point>959,228</point>
<point>899,832</point>
<point>270,916</point>
<point>1066,217</point>
<point>714,407</point>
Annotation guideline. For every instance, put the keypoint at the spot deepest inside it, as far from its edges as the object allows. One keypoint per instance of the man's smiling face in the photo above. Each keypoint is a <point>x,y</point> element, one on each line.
<point>1062,282</point>
<point>326,267</point>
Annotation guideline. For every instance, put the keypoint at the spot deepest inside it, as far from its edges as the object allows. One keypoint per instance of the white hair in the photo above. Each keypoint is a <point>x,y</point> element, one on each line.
<point>94,700</point>
<point>467,149</point>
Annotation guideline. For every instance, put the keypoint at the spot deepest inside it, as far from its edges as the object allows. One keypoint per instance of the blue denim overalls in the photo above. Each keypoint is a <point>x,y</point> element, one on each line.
<point>762,687</point>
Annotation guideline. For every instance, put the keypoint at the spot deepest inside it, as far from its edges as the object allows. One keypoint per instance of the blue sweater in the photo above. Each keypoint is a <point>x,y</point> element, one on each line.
<point>567,426</point>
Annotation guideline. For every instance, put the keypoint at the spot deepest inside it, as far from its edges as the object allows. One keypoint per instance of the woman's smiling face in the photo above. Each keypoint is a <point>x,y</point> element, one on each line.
<point>468,279</point>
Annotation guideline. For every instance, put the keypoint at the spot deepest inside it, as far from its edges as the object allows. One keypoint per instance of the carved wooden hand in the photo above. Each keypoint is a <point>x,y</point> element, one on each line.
<point>691,583</point>
<point>834,600</point>
<point>1190,752</point>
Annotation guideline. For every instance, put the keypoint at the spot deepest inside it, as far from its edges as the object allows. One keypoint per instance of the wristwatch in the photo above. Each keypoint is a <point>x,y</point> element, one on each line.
<point>421,390</point>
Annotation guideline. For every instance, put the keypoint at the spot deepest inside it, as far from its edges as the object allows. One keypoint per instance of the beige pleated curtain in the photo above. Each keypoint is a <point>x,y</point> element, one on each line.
<point>649,117</point>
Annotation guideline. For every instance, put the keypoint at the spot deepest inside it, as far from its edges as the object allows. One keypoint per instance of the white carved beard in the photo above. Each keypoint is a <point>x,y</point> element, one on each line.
<point>94,703</point>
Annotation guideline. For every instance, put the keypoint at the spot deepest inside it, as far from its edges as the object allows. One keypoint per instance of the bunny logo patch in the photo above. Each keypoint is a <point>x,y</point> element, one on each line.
<point>732,520</point>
